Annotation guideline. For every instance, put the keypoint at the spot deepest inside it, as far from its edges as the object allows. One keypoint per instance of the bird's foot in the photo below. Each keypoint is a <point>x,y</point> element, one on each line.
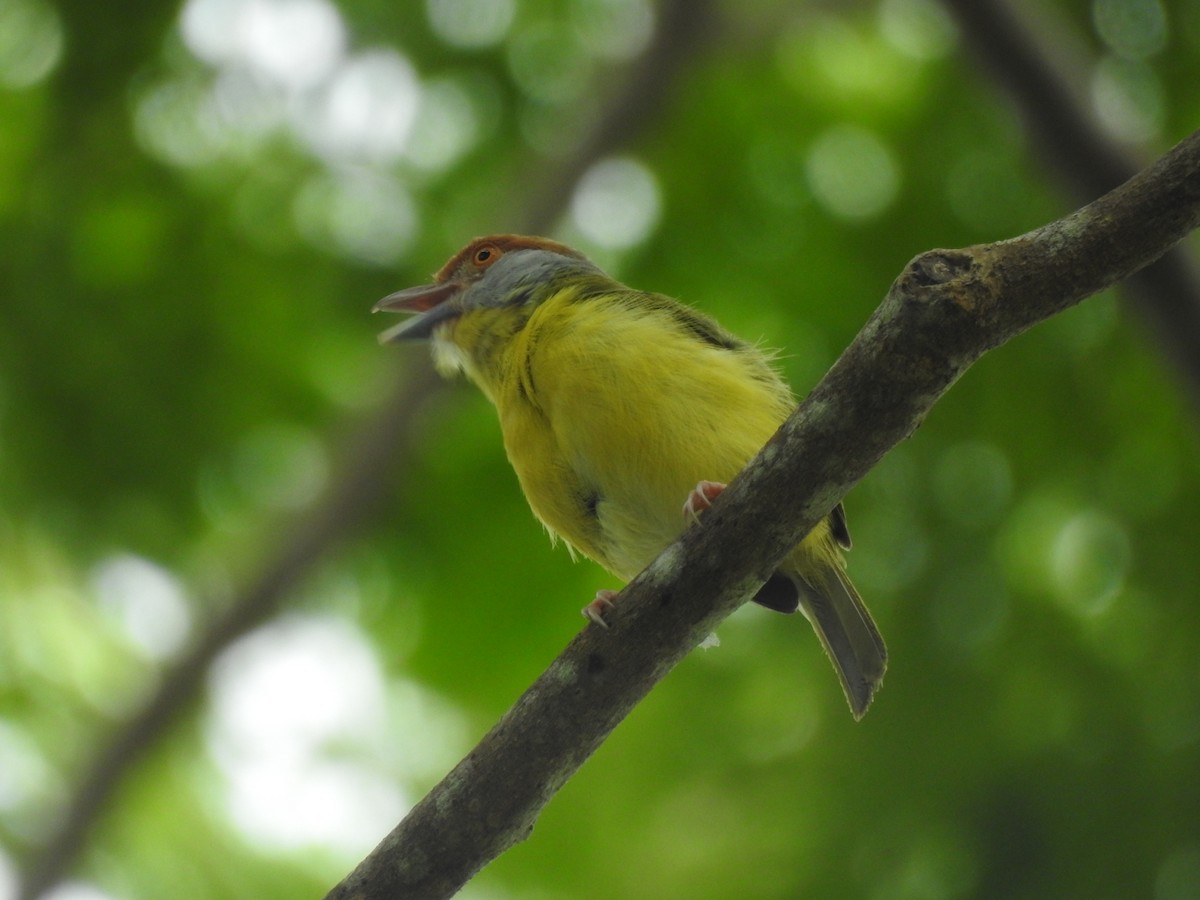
<point>701,498</point>
<point>596,610</point>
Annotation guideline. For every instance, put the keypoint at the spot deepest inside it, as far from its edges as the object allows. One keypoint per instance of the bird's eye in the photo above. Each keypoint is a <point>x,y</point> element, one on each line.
<point>486,255</point>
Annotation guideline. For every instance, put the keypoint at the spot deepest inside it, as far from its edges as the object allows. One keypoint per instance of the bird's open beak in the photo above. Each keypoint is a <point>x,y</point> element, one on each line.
<point>430,300</point>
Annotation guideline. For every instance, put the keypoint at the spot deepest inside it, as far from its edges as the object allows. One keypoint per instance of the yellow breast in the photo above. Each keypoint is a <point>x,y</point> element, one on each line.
<point>613,409</point>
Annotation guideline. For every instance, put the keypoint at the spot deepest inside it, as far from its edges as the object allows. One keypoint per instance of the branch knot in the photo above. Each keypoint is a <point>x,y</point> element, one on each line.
<point>939,267</point>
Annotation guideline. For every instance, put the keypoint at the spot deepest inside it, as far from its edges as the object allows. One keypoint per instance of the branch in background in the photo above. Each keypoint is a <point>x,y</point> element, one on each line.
<point>378,448</point>
<point>680,34</point>
<point>379,444</point>
<point>1089,162</point>
<point>946,309</point>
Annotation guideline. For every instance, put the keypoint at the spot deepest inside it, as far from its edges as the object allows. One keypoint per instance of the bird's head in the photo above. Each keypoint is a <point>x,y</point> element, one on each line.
<point>496,273</point>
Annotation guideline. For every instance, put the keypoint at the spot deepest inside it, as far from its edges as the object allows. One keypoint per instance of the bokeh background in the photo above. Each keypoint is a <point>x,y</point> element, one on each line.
<point>263,582</point>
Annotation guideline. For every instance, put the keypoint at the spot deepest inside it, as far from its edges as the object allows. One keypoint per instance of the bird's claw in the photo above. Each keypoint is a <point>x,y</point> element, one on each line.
<point>701,498</point>
<point>698,501</point>
<point>596,610</point>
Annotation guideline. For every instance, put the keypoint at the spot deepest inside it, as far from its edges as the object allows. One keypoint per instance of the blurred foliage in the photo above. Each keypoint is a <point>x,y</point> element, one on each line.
<point>199,205</point>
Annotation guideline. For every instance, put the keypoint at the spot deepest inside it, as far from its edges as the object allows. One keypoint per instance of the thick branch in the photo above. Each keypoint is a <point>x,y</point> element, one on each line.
<point>945,310</point>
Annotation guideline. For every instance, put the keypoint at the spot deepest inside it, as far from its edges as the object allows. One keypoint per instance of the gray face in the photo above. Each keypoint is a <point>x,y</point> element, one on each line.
<point>511,279</point>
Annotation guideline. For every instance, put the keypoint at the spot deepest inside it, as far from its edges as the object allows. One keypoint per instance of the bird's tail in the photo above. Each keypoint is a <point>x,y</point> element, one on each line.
<point>847,632</point>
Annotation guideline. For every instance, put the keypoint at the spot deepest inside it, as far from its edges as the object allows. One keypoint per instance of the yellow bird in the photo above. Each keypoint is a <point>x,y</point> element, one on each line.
<point>616,405</point>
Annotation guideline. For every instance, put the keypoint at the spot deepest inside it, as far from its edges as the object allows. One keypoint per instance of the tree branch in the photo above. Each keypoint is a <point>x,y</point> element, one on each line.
<point>947,308</point>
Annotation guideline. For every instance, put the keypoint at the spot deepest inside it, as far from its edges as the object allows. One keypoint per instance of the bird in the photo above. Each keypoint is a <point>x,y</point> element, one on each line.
<point>617,404</point>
